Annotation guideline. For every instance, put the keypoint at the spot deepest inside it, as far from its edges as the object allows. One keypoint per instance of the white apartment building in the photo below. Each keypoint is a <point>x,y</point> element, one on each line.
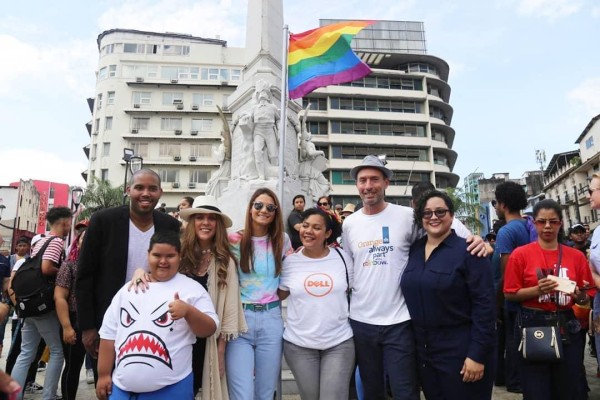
<point>401,109</point>
<point>157,93</point>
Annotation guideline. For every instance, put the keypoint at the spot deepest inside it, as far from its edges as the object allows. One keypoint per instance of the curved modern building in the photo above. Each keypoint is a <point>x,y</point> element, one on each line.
<point>401,110</point>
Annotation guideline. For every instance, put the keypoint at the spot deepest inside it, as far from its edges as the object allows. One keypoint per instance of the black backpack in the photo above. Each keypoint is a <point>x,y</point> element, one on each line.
<point>34,292</point>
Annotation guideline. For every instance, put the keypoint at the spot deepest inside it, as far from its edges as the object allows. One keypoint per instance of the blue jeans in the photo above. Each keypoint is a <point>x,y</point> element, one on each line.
<point>45,326</point>
<point>253,360</point>
<point>181,390</point>
<point>386,349</point>
<point>595,316</point>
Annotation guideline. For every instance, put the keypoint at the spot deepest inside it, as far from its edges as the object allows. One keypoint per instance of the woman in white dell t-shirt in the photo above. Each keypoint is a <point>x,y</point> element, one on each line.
<point>318,344</point>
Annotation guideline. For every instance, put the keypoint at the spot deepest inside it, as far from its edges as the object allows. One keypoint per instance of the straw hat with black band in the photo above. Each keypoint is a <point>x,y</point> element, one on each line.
<point>205,205</point>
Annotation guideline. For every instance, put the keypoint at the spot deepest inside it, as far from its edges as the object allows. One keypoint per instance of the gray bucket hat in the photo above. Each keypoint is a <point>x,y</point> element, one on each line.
<point>372,162</point>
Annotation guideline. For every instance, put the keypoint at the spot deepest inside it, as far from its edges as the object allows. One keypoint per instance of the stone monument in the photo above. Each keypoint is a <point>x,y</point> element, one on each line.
<point>249,153</point>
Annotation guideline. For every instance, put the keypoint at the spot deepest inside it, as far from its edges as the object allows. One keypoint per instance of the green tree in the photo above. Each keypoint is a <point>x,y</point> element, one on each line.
<point>466,209</point>
<point>100,194</point>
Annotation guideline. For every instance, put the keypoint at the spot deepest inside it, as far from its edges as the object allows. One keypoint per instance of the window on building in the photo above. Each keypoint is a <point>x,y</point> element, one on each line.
<point>102,73</point>
<point>110,98</point>
<point>108,123</point>
<point>437,113</point>
<point>99,101</point>
<point>174,72</point>
<point>112,71</point>
<point>106,149</point>
<point>199,176</point>
<point>94,151</point>
<point>139,71</point>
<point>203,99</point>
<point>202,124</point>
<point>140,149</point>
<point>236,74</point>
<point>201,150</point>
<point>401,153</point>
<point>51,193</point>
<point>317,127</point>
<point>170,98</point>
<point>315,103</point>
<point>589,142</point>
<point>140,48</point>
<point>175,50</point>
<point>169,124</point>
<point>139,123</point>
<point>142,98</point>
<point>209,74</point>
<point>104,174</point>
<point>439,136</point>
<point>166,149</point>
<point>377,128</point>
<point>97,126</point>
<point>168,175</point>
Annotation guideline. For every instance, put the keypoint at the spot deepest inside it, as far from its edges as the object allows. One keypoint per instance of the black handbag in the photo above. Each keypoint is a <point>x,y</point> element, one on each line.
<point>541,343</point>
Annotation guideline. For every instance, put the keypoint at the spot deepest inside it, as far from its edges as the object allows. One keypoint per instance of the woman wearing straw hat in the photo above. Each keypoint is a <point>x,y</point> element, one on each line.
<point>206,257</point>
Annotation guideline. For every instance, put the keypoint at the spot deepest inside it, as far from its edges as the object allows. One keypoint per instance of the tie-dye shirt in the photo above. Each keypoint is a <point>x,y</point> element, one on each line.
<point>259,286</point>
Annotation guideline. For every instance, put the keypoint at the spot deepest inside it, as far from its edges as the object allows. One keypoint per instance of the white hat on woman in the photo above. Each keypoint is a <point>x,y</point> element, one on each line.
<point>205,205</point>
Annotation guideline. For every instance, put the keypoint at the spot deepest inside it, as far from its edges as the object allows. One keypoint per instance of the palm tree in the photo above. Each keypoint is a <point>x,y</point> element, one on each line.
<point>466,208</point>
<point>98,195</point>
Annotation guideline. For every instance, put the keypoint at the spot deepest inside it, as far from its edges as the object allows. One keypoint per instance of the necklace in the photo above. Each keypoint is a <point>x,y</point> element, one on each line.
<point>205,259</point>
<point>207,251</point>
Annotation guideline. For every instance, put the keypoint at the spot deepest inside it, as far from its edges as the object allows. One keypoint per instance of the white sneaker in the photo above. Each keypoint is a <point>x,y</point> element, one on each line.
<point>89,376</point>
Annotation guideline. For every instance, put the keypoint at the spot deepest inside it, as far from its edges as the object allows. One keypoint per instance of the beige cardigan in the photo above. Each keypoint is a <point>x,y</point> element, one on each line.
<point>228,306</point>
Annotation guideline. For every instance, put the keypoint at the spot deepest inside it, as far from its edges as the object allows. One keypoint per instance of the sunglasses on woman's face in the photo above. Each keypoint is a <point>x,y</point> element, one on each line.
<point>259,205</point>
<point>440,213</point>
<point>324,204</point>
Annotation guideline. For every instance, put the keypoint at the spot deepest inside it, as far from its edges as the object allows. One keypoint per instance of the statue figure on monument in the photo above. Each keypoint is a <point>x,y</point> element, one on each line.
<point>219,179</point>
<point>265,118</point>
<point>312,161</point>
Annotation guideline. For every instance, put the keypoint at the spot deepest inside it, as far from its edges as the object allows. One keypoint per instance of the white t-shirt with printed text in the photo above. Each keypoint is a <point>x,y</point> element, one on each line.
<point>379,245</point>
<point>153,351</point>
<point>317,308</point>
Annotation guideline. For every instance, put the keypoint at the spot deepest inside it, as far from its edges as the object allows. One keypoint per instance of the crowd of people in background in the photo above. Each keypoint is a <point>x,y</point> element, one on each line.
<point>397,299</point>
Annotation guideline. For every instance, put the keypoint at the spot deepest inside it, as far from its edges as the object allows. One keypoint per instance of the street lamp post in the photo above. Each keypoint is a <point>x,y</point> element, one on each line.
<point>133,163</point>
<point>76,195</point>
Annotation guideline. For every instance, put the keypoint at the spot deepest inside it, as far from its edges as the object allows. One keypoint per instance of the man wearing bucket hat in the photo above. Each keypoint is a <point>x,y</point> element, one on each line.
<point>379,236</point>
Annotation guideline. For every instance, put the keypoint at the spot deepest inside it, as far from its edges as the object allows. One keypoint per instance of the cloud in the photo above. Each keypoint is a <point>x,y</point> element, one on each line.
<point>550,9</point>
<point>46,66</point>
<point>202,18</point>
<point>37,164</point>
<point>585,96</point>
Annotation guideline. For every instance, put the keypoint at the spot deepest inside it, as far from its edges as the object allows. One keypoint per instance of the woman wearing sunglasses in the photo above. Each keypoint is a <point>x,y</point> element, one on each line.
<point>526,281</point>
<point>450,296</point>
<point>254,359</point>
<point>318,344</point>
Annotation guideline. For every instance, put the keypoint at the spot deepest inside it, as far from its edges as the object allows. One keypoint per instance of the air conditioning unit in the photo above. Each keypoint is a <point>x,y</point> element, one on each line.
<point>134,130</point>
<point>192,158</point>
<point>176,158</point>
<point>192,185</point>
<point>180,106</point>
<point>174,80</point>
<point>139,79</point>
<point>136,105</point>
<point>195,107</point>
<point>175,185</point>
<point>194,132</point>
<point>178,131</point>
<point>177,101</point>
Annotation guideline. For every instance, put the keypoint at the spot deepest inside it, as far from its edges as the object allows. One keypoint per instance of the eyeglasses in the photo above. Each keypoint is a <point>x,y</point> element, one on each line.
<point>324,204</point>
<point>440,213</point>
<point>259,205</point>
<point>552,222</point>
<point>591,191</point>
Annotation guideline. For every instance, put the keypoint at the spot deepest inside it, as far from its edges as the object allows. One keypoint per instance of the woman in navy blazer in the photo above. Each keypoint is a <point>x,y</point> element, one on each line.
<point>450,297</point>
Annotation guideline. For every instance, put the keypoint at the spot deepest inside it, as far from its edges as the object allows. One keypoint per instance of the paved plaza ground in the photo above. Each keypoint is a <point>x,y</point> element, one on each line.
<point>86,391</point>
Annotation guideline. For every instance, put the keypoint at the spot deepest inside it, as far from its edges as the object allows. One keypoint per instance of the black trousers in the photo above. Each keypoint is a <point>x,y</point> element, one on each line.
<point>74,357</point>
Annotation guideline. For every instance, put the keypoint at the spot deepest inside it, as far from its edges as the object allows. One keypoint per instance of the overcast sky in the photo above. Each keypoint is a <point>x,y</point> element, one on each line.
<point>525,74</point>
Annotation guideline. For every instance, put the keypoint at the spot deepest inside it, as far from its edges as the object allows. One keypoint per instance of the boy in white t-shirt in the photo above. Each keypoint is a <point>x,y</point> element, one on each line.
<point>148,337</point>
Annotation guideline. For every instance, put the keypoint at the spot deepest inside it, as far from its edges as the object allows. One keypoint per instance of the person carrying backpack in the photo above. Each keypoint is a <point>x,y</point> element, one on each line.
<point>45,325</point>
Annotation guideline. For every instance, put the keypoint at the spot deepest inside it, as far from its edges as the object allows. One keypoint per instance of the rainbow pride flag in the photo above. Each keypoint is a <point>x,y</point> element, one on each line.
<point>323,56</point>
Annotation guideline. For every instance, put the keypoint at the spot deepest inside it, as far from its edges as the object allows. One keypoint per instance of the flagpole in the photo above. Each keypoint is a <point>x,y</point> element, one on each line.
<point>283,119</point>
